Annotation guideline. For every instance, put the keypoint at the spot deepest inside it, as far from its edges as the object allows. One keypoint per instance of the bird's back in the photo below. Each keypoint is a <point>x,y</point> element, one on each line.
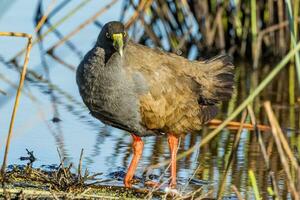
<point>181,95</point>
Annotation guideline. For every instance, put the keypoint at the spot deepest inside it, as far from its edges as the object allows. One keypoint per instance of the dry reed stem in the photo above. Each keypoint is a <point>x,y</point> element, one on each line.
<point>22,79</point>
<point>143,5</point>
<point>261,143</point>
<point>279,143</point>
<point>264,152</point>
<point>45,16</point>
<point>17,100</point>
<point>232,155</point>
<point>238,194</point>
<point>233,125</point>
<point>284,143</point>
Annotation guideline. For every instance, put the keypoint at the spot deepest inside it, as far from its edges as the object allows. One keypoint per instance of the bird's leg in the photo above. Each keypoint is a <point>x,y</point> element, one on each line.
<point>137,146</point>
<point>173,145</point>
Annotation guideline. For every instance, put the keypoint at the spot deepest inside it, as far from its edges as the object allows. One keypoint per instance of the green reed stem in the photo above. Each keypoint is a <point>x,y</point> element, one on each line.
<point>254,184</point>
<point>293,35</point>
<point>253,28</point>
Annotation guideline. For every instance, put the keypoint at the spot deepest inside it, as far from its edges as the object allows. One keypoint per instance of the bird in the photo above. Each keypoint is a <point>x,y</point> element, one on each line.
<point>147,91</point>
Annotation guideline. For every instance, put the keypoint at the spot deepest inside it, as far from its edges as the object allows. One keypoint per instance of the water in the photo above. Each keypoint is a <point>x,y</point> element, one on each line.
<point>52,116</point>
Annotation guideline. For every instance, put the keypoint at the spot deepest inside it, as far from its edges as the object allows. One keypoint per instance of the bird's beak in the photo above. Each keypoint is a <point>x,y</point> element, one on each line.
<point>118,42</point>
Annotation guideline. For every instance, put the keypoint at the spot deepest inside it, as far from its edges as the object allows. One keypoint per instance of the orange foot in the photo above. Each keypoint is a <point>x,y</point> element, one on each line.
<point>152,184</point>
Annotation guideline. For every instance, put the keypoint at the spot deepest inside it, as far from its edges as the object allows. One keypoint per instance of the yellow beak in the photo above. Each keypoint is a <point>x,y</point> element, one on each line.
<point>118,42</point>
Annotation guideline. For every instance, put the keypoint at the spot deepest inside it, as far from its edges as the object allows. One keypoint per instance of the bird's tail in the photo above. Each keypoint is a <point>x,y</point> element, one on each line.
<point>217,80</point>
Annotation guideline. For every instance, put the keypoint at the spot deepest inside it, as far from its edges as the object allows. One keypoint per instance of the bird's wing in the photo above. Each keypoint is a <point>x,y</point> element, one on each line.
<point>169,96</point>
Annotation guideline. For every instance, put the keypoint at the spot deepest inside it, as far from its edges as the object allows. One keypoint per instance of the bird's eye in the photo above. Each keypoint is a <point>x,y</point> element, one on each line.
<point>107,35</point>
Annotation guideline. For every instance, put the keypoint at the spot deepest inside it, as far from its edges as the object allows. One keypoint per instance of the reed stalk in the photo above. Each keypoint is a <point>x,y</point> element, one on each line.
<point>254,28</point>
<point>18,95</point>
<point>275,190</point>
<point>254,185</point>
<point>22,79</point>
<point>281,146</point>
<point>293,33</point>
<point>238,194</point>
<point>231,156</point>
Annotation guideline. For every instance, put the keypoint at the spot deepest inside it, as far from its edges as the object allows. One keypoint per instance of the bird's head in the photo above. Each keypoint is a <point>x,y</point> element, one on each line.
<point>113,36</point>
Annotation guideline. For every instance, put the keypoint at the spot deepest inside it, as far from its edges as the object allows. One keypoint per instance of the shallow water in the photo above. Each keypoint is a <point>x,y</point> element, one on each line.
<point>52,116</point>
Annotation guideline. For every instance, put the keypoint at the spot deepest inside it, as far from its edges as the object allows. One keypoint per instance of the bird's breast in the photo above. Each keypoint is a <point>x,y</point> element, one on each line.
<point>108,92</point>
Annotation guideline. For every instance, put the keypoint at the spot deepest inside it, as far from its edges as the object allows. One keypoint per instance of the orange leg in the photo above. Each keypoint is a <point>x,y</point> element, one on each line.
<point>137,146</point>
<point>173,145</point>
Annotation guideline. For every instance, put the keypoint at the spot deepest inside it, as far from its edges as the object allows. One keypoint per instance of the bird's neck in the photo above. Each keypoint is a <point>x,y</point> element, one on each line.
<point>110,54</point>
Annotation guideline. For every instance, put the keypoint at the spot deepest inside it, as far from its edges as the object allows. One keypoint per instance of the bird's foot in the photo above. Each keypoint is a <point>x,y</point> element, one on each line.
<point>153,184</point>
<point>172,185</point>
<point>172,191</point>
<point>128,183</point>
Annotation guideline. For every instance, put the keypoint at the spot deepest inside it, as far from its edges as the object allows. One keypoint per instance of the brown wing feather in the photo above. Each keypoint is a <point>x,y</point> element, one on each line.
<point>181,94</point>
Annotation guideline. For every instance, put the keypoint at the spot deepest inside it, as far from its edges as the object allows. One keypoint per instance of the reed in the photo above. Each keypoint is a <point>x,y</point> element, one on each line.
<point>254,185</point>
<point>254,28</point>
<point>18,95</point>
<point>232,153</point>
<point>282,148</point>
<point>275,190</point>
<point>293,33</point>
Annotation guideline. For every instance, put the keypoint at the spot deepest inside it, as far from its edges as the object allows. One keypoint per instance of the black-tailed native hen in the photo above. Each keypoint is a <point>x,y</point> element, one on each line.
<point>148,91</point>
